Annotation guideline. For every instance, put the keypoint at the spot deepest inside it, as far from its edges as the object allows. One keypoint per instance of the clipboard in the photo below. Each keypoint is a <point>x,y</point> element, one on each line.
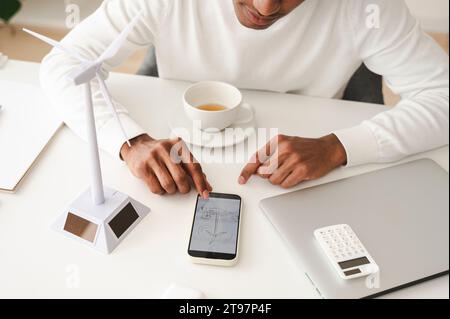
<point>27,124</point>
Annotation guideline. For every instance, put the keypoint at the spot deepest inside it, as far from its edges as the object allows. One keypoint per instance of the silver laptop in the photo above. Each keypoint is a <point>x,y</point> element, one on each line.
<point>400,214</point>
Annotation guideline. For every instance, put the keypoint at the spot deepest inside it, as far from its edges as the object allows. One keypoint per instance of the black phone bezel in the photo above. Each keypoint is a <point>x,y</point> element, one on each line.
<point>210,254</point>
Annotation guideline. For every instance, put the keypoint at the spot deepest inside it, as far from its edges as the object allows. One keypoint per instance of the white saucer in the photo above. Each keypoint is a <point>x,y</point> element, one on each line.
<point>181,126</point>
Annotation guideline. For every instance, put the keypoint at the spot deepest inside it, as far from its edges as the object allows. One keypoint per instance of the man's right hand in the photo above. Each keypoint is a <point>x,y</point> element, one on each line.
<point>152,161</point>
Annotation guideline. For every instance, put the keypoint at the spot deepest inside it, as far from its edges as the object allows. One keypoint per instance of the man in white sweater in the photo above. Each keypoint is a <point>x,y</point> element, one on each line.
<point>309,47</point>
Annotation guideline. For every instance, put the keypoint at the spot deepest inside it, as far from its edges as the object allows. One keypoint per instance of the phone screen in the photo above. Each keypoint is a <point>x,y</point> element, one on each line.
<point>216,227</point>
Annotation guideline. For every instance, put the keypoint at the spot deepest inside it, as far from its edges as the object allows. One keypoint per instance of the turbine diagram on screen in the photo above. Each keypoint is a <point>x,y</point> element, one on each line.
<point>215,224</point>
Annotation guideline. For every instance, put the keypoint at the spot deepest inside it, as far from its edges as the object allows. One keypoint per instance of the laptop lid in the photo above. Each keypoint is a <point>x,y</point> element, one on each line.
<point>400,214</point>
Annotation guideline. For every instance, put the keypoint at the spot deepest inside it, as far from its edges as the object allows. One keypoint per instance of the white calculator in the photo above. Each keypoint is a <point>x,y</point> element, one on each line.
<point>345,251</point>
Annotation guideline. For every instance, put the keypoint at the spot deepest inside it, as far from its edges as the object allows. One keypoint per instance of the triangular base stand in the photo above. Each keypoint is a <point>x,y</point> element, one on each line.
<point>102,227</point>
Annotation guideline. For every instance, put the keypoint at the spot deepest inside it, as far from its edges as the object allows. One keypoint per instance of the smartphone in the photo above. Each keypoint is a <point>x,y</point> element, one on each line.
<point>215,230</point>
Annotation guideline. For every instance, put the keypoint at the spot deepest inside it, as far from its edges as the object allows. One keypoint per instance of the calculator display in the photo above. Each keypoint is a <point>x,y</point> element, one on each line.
<point>352,272</point>
<point>354,263</point>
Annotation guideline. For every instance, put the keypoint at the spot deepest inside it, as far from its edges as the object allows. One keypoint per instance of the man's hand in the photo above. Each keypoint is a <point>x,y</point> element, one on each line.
<point>166,166</point>
<point>288,161</point>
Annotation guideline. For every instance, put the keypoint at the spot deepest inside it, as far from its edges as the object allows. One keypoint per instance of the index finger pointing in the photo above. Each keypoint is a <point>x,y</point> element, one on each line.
<point>257,160</point>
<point>199,179</point>
<point>249,169</point>
<point>194,169</point>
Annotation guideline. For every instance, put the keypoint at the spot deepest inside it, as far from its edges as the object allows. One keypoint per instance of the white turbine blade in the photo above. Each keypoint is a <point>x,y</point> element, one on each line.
<point>107,96</point>
<point>115,46</point>
<point>56,44</point>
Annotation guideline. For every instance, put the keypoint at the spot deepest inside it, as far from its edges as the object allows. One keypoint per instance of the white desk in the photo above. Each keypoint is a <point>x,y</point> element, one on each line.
<point>37,262</point>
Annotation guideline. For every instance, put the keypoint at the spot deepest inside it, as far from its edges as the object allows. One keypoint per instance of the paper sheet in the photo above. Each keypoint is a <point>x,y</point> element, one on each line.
<point>27,124</point>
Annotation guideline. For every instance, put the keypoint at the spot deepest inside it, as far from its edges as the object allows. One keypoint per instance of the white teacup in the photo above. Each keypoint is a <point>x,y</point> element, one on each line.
<point>216,93</point>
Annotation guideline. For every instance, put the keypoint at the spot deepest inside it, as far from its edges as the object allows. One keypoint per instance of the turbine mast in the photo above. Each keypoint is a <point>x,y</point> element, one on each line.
<point>97,190</point>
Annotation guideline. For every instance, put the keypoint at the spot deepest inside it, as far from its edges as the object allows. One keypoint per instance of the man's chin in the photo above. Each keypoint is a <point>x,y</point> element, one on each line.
<point>253,26</point>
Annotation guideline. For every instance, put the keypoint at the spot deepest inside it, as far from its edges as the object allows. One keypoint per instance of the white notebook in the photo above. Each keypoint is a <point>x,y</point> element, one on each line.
<point>27,124</point>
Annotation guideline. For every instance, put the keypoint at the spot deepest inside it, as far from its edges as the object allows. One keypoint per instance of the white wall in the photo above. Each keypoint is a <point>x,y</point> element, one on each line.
<point>51,13</point>
<point>432,13</point>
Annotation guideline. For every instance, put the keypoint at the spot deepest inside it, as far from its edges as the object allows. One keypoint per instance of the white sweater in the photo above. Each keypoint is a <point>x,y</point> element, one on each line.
<point>313,51</point>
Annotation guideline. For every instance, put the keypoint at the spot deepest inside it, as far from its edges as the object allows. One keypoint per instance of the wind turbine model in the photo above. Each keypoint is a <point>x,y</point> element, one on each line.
<point>100,217</point>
